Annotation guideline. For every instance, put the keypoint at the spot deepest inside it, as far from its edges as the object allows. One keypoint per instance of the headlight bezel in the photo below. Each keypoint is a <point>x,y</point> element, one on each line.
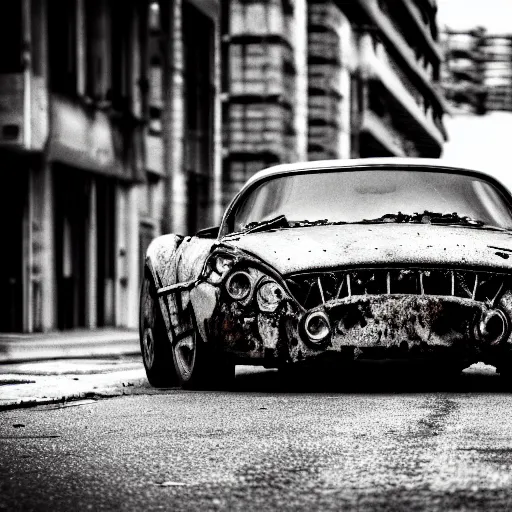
<point>249,290</point>
<point>264,305</point>
<point>223,264</point>
<point>217,267</point>
<point>316,339</point>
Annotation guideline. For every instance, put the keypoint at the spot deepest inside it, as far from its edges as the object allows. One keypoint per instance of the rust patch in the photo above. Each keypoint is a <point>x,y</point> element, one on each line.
<point>389,320</point>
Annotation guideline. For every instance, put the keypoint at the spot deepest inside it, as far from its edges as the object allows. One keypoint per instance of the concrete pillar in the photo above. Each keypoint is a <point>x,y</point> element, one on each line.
<point>132,254</point>
<point>92,261</point>
<point>348,65</point>
<point>27,76</point>
<point>175,220</point>
<point>28,220</point>
<point>28,255</point>
<point>120,258</point>
<point>301,65</point>
<point>127,273</point>
<point>39,297</point>
<point>80,47</point>
<point>48,277</point>
<point>217,129</point>
<point>137,62</point>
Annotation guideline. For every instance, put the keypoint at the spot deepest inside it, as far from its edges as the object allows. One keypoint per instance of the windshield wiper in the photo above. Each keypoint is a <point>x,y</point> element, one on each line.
<point>279,222</point>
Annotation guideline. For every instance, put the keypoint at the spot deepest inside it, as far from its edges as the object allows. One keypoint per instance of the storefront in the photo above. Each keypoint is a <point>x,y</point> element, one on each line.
<point>13,226</point>
<point>95,223</point>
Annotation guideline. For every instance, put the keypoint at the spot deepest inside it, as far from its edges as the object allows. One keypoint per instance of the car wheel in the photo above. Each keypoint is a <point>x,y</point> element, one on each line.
<point>197,365</point>
<point>154,342</point>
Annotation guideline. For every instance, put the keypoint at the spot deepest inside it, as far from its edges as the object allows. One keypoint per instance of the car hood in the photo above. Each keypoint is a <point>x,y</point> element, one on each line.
<point>318,247</point>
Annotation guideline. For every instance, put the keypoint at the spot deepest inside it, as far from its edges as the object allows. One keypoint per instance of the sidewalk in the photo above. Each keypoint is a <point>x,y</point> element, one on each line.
<point>83,343</point>
<point>61,367</point>
<point>64,381</point>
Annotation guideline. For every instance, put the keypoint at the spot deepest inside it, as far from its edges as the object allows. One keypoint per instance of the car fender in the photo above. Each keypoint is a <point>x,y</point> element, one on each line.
<point>175,259</point>
<point>160,260</point>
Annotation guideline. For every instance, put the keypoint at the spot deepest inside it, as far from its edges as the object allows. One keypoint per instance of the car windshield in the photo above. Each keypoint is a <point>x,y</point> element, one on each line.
<point>343,196</point>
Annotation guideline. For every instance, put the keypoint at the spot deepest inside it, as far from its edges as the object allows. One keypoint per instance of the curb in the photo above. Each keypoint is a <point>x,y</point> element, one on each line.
<point>91,395</point>
<point>56,355</point>
<point>60,389</point>
<point>18,350</point>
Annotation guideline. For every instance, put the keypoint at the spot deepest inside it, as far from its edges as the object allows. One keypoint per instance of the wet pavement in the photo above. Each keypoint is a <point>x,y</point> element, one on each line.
<point>266,446</point>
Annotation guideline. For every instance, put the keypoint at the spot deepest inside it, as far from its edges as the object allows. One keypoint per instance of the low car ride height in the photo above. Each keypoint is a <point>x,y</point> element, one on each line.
<point>372,259</point>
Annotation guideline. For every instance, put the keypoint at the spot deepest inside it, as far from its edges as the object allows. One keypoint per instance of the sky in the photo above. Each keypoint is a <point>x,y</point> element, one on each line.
<point>481,142</point>
<point>494,15</point>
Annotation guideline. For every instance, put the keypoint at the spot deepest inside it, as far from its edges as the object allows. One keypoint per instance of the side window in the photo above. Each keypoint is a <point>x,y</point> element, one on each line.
<point>496,208</point>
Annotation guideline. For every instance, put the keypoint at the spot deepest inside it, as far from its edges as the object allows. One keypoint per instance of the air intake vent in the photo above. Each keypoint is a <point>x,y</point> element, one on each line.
<point>314,288</point>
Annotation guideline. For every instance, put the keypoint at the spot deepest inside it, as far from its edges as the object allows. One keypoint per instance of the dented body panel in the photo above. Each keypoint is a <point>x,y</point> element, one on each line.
<point>380,290</point>
<point>176,260</point>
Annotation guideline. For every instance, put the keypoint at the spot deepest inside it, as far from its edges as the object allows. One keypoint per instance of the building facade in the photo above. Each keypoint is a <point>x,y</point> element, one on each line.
<point>121,120</point>
<point>107,135</point>
<point>477,71</point>
<point>328,79</point>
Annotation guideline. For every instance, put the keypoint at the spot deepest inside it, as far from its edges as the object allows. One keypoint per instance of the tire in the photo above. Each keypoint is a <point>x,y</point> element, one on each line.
<point>155,346</point>
<point>197,365</point>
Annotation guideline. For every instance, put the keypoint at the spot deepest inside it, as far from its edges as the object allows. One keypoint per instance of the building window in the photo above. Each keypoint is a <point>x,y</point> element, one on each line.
<point>37,42</point>
<point>121,16</point>
<point>10,36</point>
<point>96,49</point>
<point>198,32</point>
<point>154,17</point>
<point>62,46</point>
<point>156,78</point>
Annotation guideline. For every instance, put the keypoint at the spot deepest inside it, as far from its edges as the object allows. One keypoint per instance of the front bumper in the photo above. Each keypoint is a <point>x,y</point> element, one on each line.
<point>373,326</point>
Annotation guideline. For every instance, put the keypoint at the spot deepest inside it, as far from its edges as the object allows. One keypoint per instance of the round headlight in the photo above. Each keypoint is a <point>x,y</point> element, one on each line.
<point>493,326</point>
<point>317,326</point>
<point>238,285</point>
<point>269,296</point>
<point>223,264</point>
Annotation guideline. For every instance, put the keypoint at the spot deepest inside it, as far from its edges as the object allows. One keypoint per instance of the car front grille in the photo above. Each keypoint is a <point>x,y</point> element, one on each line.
<point>314,288</point>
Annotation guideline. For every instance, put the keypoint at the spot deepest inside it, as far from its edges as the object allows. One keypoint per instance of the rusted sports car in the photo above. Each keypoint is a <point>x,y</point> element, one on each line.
<point>355,259</point>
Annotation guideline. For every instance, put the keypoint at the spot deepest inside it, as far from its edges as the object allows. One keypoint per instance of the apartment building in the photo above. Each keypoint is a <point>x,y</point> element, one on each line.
<point>328,79</point>
<point>477,70</point>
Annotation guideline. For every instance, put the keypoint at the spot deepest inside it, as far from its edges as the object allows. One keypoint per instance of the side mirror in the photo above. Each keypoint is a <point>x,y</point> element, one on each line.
<point>211,232</point>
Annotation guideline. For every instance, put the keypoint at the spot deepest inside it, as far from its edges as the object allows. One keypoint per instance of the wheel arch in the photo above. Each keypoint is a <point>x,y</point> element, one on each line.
<point>160,262</point>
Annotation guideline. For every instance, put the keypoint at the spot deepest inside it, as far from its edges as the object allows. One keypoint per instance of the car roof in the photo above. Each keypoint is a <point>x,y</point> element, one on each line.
<point>434,164</point>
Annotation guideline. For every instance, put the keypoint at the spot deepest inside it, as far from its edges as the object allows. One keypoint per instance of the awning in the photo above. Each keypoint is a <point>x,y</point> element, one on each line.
<point>88,139</point>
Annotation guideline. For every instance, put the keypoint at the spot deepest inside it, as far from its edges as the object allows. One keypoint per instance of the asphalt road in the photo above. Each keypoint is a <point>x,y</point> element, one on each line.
<point>380,443</point>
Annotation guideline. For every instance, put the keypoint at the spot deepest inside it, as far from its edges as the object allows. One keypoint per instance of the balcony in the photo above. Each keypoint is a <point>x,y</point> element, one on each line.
<point>383,133</point>
<point>423,29</point>
<point>395,40</point>
<point>260,21</point>
<point>409,115</point>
